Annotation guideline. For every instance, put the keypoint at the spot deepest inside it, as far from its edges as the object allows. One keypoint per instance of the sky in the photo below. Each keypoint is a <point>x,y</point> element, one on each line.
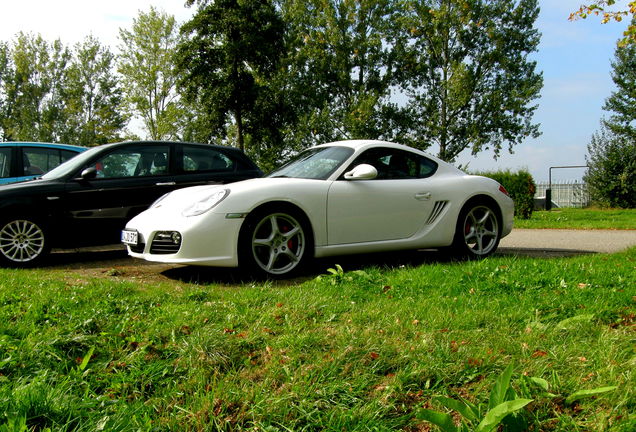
<point>575,58</point>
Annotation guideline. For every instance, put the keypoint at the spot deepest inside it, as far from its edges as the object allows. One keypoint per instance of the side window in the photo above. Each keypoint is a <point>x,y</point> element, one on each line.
<point>5,162</point>
<point>37,161</point>
<point>196,159</point>
<point>394,164</point>
<point>140,161</point>
<point>66,155</point>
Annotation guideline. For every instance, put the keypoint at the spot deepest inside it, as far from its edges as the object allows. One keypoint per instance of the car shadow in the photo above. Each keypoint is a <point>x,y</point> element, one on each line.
<point>115,257</point>
<point>541,252</point>
<point>93,257</point>
<point>387,260</point>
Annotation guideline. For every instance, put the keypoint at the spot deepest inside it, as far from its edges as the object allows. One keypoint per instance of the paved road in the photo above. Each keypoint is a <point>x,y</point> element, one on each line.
<point>566,242</point>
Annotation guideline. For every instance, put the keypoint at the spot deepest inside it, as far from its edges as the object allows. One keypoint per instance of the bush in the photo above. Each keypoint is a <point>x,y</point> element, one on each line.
<point>520,186</point>
<point>611,176</point>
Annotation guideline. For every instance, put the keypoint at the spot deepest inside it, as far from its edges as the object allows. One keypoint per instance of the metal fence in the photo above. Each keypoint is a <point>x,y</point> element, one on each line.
<point>565,194</point>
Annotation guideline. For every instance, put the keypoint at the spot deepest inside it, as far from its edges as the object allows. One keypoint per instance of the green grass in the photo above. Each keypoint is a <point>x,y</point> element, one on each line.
<point>355,351</point>
<point>570,218</point>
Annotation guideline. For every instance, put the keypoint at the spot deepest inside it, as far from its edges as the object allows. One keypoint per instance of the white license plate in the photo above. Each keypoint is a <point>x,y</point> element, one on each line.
<point>129,237</point>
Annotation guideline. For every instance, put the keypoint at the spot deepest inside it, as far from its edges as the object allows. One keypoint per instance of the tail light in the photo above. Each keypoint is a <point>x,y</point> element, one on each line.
<point>503,190</point>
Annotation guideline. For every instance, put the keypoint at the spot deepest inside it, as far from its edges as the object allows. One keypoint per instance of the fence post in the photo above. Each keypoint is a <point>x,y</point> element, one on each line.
<point>548,198</point>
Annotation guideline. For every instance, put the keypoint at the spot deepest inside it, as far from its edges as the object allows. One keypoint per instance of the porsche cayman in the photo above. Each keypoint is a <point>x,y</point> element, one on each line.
<point>339,198</point>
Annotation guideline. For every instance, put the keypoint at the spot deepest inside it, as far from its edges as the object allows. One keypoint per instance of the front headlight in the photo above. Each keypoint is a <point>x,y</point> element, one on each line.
<point>206,203</point>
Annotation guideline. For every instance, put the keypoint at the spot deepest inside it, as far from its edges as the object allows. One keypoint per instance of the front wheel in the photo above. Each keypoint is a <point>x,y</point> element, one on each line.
<point>477,234</point>
<point>23,242</point>
<point>275,243</point>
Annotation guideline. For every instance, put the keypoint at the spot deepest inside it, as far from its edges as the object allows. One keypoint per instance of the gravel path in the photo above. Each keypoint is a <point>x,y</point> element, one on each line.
<point>553,241</point>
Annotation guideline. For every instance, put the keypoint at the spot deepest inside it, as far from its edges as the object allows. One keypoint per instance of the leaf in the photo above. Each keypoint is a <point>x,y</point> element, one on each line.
<point>498,392</point>
<point>540,382</point>
<point>582,394</point>
<point>442,420</point>
<point>497,414</point>
<point>86,359</point>
<point>573,322</point>
<point>467,410</point>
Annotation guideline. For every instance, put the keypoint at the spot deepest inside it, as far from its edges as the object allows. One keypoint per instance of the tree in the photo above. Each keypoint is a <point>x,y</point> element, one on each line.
<point>229,52</point>
<point>5,75</point>
<point>32,83</point>
<point>340,50</point>
<point>602,8</point>
<point>467,73</point>
<point>94,108</point>
<point>611,176</point>
<point>622,102</point>
<point>149,78</point>
<point>611,158</point>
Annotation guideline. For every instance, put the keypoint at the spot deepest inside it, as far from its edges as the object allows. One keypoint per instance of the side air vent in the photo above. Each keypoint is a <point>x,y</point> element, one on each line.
<point>438,208</point>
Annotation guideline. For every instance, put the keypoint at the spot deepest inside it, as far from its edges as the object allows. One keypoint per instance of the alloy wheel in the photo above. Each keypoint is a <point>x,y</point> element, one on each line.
<point>21,241</point>
<point>278,243</point>
<point>481,230</point>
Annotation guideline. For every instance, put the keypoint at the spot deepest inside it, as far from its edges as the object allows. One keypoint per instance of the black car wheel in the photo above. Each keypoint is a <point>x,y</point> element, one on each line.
<point>478,230</point>
<point>23,242</point>
<point>275,243</point>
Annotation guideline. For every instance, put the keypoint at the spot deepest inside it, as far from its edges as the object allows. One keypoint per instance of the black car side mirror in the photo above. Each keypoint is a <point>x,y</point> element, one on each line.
<point>89,173</point>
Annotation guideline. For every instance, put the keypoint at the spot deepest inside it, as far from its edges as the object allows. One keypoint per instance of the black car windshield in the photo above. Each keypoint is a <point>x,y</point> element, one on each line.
<point>72,165</point>
<point>316,163</point>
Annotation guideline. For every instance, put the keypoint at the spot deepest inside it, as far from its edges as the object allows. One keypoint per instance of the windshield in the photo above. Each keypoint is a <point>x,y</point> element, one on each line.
<point>316,163</point>
<point>72,165</point>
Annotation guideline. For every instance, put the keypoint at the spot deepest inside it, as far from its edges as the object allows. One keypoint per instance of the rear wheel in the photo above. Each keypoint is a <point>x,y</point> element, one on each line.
<point>275,243</point>
<point>478,231</point>
<point>23,242</point>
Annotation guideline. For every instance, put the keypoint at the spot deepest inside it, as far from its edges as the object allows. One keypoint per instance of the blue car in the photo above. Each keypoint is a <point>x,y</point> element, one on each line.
<point>27,160</point>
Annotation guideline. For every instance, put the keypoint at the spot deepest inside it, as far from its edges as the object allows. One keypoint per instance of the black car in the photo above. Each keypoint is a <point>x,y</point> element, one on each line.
<point>87,200</point>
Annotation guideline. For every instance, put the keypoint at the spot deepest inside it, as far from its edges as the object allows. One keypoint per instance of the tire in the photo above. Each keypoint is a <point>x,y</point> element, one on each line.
<point>275,243</point>
<point>478,231</point>
<point>23,242</point>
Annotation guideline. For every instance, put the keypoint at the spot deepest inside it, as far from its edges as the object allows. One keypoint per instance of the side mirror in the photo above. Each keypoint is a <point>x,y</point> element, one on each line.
<point>362,172</point>
<point>89,173</point>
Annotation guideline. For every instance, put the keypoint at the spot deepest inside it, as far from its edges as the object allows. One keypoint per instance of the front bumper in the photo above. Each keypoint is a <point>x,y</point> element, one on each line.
<point>210,239</point>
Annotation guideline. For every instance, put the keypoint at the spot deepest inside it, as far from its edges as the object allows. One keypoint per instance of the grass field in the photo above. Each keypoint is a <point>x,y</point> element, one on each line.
<point>580,219</point>
<point>366,350</point>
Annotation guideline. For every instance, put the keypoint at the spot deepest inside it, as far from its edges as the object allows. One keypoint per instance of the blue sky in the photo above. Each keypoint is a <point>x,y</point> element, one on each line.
<point>575,59</point>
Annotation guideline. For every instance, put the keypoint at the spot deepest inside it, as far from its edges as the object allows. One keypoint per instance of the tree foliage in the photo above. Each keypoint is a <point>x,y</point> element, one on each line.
<point>274,76</point>
<point>611,176</point>
<point>340,50</point>
<point>33,79</point>
<point>94,112</point>
<point>228,54</point>
<point>622,102</point>
<point>603,9</point>
<point>49,92</point>
<point>148,72</point>
<point>467,73</point>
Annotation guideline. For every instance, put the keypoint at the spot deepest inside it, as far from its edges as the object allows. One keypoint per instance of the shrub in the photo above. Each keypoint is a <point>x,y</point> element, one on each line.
<point>520,186</point>
<point>611,176</point>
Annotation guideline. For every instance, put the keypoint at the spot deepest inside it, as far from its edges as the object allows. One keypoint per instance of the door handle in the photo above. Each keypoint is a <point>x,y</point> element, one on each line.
<point>166,184</point>
<point>423,196</point>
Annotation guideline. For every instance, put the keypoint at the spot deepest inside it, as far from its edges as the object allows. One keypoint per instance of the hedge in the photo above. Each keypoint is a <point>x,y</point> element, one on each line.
<point>520,186</point>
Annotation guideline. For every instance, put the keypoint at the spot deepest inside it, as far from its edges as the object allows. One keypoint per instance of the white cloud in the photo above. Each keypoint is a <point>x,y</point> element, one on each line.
<point>72,20</point>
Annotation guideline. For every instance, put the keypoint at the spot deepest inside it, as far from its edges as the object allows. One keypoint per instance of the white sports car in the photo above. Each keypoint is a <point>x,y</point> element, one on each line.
<point>339,198</point>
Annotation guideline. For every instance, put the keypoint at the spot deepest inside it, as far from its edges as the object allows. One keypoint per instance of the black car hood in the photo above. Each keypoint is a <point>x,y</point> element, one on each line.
<point>30,188</point>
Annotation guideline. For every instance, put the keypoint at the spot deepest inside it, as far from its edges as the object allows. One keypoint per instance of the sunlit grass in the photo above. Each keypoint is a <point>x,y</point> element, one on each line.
<point>571,218</point>
<point>361,350</point>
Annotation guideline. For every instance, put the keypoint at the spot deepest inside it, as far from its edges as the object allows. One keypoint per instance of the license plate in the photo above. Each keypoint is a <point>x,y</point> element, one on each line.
<point>129,237</point>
